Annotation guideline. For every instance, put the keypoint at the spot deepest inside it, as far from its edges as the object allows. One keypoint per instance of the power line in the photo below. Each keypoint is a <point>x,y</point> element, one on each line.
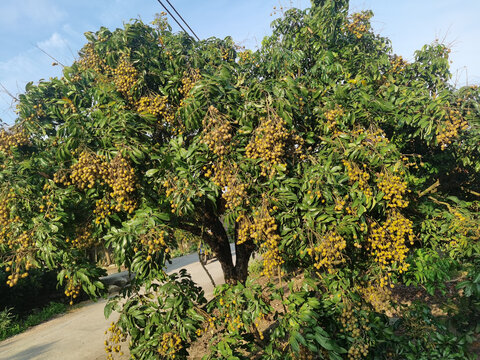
<point>173,17</point>
<point>173,7</point>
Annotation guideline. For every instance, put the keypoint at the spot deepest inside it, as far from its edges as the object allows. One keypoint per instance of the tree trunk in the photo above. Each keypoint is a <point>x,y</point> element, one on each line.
<point>218,241</point>
<point>243,252</point>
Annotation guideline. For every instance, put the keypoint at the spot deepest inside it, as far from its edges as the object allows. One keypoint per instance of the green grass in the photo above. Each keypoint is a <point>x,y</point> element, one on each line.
<point>11,325</point>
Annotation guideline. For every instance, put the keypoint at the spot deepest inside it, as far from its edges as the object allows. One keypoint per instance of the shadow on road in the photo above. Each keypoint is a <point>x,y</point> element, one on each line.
<point>30,353</point>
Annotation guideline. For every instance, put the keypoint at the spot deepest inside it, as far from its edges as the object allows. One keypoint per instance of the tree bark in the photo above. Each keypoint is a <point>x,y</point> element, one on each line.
<point>243,252</point>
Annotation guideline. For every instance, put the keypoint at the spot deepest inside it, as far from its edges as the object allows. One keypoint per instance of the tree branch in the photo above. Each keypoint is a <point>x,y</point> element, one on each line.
<point>430,188</point>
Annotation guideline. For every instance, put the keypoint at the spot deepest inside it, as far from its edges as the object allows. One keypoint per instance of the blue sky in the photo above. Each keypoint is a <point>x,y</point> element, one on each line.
<point>57,27</point>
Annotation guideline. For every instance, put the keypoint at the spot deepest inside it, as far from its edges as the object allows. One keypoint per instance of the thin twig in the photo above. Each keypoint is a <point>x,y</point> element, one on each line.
<point>8,92</point>
<point>50,56</point>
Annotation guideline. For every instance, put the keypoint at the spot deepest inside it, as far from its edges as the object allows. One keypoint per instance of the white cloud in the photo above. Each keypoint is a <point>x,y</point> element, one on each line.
<point>55,42</point>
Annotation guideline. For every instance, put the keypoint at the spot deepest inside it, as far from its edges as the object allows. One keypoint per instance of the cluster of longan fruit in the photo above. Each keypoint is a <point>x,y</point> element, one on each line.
<point>88,168</point>
<point>245,56</point>
<point>398,64</point>
<point>451,128</point>
<point>333,115</point>
<point>179,187</point>
<point>125,77</point>
<point>188,82</point>
<point>359,24</point>
<point>264,231</point>
<point>5,219</point>
<point>154,241</point>
<point>154,105</point>
<point>394,189</point>
<point>387,242</point>
<point>170,344</point>
<point>157,105</point>
<point>379,297</point>
<point>225,176</point>
<point>118,174</point>
<point>217,132</point>
<point>13,139</point>
<point>355,174</point>
<point>121,179</point>
<point>268,144</point>
<point>90,59</point>
<point>16,271</point>
<point>375,137</point>
<point>354,325</point>
<point>50,206</point>
<point>114,340</point>
<point>329,252</point>
<point>83,240</point>
<point>72,289</point>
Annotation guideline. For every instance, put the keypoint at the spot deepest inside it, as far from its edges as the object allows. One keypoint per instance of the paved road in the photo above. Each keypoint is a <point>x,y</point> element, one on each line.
<point>79,334</point>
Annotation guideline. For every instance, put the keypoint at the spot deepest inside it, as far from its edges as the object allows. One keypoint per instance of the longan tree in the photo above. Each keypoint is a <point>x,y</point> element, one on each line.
<point>349,169</point>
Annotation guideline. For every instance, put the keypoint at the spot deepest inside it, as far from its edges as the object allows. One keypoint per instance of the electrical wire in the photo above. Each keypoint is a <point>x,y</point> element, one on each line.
<point>180,16</point>
<point>173,17</point>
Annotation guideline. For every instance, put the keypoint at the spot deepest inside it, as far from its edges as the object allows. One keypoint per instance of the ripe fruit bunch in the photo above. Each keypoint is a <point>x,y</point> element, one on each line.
<point>68,106</point>
<point>387,243</point>
<point>353,325</point>
<point>72,289</point>
<point>188,82</point>
<point>314,192</point>
<point>117,174</point>
<point>333,115</point>
<point>465,230</point>
<point>154,241</point>
<point>450,129</point>
<point>120,176</point>
<point>379,297</point>
<point>394,189</point>
<point>170,345</point>
<point>398,64</point>
<point>268,144</point>
<point>49,206</point>
<point>103,209</point>
<point>5,217</point>
<point>38,112</point>
<point>374,137</point>
<point>90,59</point>
<point>209,325</point>
<point>225,176</point>
<point>359,24</point>
<point>114,339</point>
<point>217,132</point>
<point>328,253</point>
<point>359,176</point>
<point>244,229</point>
<point>83,240</point>
<point>16,270</point>
<point>264,232</point>
<point>125,78</point>
<point>88,168</point>
<point>9,140</point>
<point>155,105</point>
<point>245,56</point>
